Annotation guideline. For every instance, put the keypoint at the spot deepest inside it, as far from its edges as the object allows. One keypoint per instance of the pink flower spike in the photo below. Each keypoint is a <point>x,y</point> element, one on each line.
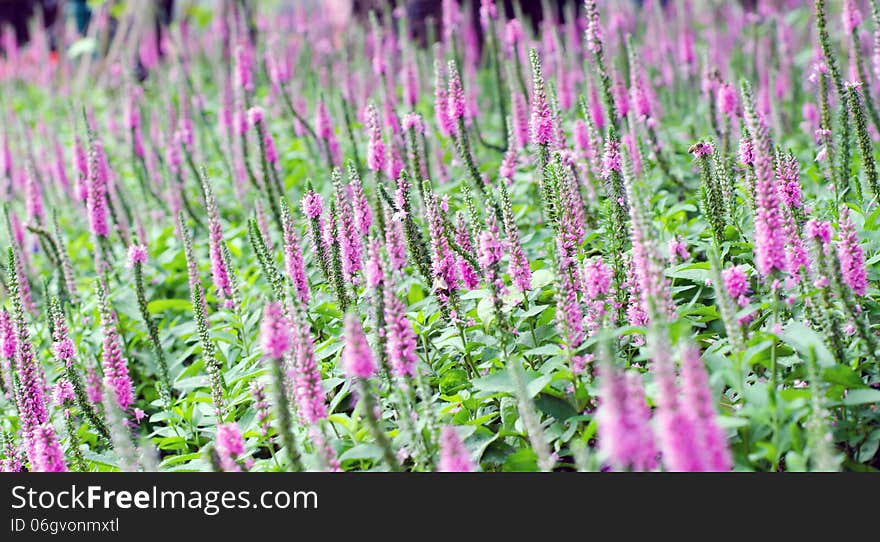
<point>849,252</point>
<point>541,122</point>
<point>851,16</point>
<point>375,145</point>
<point>49,454</point>
<point>441,102</point>
<point>357,358</point>
<point>113,362</point>
<point>727,100</point>
<point>255,115</point>
<point>401,339</point>
<point>699,402</point>
<point>312,205</point>
<point>819,229</point>
<point>274,332</point>
<point>63,392</point>
<point>736,283</point>
<point>454,457</point>
<point>455,93</point>
<point>137,254</point>
<point>228,445</point>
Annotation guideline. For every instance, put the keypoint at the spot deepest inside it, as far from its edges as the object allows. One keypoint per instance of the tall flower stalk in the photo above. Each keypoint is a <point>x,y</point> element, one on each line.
<point>830,60</point>
<point>308,390</point>
<point>456,112</point>
<point>30,399</point>
<point>358,364</point>
<point>866,147</point>
<point>293,258</point>
<point>200,310</point>
<point>594,44</point>
<point>113,363</point>
<point>769,243</point>
<point>65,354</point>
<point>221,272</point>
<point>852,18</point>
<point>275,343</point>
<point>137,257</point>
<point>541,133</point>
<point>313,209</point>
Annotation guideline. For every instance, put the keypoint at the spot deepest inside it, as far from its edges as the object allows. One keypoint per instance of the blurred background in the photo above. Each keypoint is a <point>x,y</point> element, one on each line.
<point>423,17</point>
<point>419,13</point>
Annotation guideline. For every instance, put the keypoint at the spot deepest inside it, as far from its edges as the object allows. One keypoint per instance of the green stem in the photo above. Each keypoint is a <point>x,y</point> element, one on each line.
<point>369,402</point>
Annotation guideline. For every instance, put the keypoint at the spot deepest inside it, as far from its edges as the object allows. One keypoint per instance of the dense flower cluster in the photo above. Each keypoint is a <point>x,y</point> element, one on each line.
<point>626,238</point>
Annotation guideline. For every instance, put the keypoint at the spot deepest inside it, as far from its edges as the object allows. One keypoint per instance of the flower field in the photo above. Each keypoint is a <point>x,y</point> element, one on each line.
<point>626,237</point>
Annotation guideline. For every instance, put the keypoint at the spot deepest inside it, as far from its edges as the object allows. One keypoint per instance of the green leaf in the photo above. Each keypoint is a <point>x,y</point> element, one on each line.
<point>486,310</point>
<point>497,382</point>
<point>452,381</point>
<point>476,294</point>
<point>496,453</point>
<point>730,233</point>
<point>861,397</point>
<point>479,440</point>
<point>522,460</point>
<point>501,382</point>
<point>191,382</point>
<point>160,305</point>
<point>178,459</point>
<point>807,343</point>
<point>541,278</point>
<point>544,350</point>
<point>100,459</point>
<point>534,309</point>
<point>680,208</point>
<point>730,422</point>
<point>534,386</point>
<point>509,413</point>
<point>794,394</point>
<point>871,261</point>
<point>696,272</point>
<point>843,375</point>
<point>555,407</point>
<point>415,294</point>
<point>869,448</point>
<point>362,451</point>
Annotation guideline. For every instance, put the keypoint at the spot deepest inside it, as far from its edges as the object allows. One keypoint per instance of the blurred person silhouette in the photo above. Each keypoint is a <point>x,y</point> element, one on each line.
<point>17,13</point>
<point>163,15</point>
<point>424,16</point>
